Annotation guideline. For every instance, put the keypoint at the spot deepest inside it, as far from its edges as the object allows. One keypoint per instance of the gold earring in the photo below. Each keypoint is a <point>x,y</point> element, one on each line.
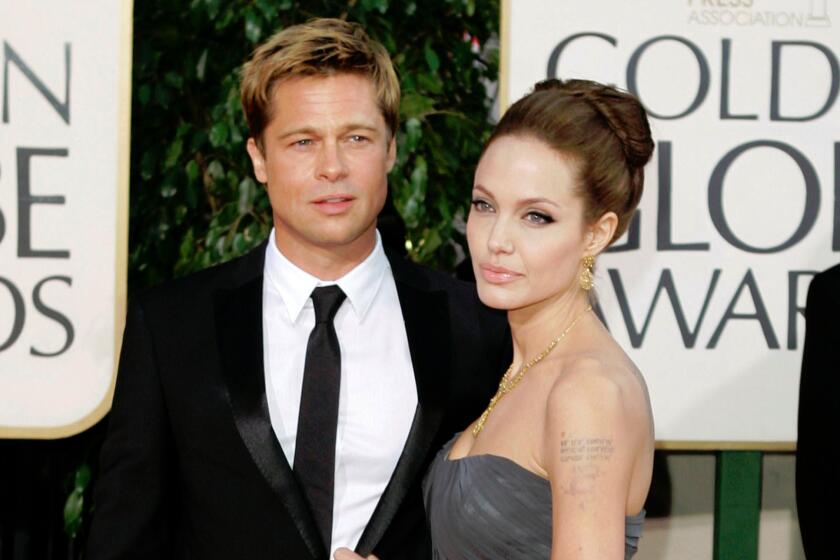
<point>586,278</point>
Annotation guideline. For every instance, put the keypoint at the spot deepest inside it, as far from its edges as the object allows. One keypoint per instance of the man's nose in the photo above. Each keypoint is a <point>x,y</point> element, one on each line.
<point>331,162</point>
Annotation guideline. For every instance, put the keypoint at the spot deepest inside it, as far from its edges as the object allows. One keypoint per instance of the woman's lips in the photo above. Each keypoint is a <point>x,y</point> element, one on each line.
<point>498,274</point>
<point>333,204</point>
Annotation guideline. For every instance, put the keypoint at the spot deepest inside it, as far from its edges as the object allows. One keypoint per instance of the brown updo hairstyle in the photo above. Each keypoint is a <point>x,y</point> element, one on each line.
<point>603,129</point>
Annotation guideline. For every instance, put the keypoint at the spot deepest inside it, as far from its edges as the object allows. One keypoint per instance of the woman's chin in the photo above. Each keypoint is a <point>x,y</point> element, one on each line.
<point>496,298</point>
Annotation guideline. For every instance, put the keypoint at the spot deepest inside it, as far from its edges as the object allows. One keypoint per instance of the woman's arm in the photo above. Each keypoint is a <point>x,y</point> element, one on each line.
<point>591,437</point>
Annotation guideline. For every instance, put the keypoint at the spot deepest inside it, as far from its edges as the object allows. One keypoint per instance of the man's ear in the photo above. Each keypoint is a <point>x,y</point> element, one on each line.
<point>392,152</point>
<point>601,233</point>
<point>257,160</point>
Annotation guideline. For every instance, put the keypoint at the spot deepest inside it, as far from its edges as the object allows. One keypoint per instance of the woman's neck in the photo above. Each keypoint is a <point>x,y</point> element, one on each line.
<point>534,327</point>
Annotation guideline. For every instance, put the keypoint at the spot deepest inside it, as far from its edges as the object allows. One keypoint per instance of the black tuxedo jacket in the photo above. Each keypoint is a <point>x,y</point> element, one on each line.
<point>191,467</point>
<point>818,447</point>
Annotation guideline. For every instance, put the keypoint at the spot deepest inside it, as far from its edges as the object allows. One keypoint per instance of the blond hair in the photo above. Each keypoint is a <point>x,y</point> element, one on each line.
<point>319,47</point>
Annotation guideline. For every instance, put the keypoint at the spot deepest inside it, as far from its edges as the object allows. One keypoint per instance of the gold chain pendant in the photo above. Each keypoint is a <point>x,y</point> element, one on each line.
<point>507,383</point>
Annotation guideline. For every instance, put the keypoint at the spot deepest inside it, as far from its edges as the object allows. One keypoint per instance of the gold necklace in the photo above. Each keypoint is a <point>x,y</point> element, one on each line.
<point>508,382</point>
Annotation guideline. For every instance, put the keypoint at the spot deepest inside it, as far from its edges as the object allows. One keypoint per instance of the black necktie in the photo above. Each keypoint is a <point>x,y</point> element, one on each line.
<point>318,417</point>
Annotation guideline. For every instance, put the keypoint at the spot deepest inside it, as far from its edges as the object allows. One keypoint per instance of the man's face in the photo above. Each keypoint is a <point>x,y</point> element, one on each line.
<point>325,159</point>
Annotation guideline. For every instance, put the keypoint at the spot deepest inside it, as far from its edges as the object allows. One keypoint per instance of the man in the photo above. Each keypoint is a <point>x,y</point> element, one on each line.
<point>817,449</point>
<point>287,403</point>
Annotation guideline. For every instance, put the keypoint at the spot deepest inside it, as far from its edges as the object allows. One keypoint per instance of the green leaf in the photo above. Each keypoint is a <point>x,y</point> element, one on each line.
<point>247,191</point>
<point>380,5</point>
<point>174,79</point>
<point>470,8</point>
<point>187,247</point>
<point>239,245</point>
<point>432,59</point>
<point>413,133</point>
<point>148,165</point>
<point>409,202</point>
<point>419,177</point>
<point>168,190</point>
<point>180,214</point>
<point>431,83</point>
<point>269,8</point>
<point>253,26</point>
<point>144,93</point>
<point>82,478</point>
<point>162,96</point>
<point>429,243</point>
<point>416,105</point>
<point>192,170</point>
<point>212,8</point>
<point>225,19</point>
<point>192,192</point>
<point>218,134</point>
<point>201,66</point>
<point>73,508</point>
<point>173,153</point>
<point>215,170</point>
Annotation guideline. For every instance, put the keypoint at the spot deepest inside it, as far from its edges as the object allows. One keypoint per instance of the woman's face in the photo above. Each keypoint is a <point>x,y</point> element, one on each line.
<point>526,228</point>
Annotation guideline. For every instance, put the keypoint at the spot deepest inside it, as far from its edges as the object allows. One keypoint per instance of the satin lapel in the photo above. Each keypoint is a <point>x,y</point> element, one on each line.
<point>239,333</point>
<point>426,317</point>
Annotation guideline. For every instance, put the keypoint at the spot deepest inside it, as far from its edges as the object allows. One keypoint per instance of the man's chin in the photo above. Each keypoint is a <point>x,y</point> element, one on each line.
<point>332,238</point>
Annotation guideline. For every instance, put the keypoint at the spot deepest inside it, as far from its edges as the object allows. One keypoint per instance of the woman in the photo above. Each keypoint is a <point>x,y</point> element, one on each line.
<point>560,463</point>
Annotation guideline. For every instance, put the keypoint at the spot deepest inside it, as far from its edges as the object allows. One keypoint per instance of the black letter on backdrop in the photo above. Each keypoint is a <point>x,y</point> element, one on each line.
<point>793,308</point>
<point>777,72</point>
<point>726,45</point>
<point>835,240</point>
<point>666,282</point>
<point>2,223</point>
<point>63,109</point>
<point>26,200</point>
<point>663,223</point>
<point>760,313</point>
<point>19,314</point>
<point>551,71</point>
<point>812,196</point>
<point>54,315</point>
<point>703,65</point>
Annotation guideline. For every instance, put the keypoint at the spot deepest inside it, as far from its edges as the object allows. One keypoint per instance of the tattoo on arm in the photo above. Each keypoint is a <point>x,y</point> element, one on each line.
<point>585,449</point>
<point>584,454</point>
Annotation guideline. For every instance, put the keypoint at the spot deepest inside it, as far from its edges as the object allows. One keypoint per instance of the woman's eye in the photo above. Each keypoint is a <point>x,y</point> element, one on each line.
<point>481,205</point>
<point>538,218</point>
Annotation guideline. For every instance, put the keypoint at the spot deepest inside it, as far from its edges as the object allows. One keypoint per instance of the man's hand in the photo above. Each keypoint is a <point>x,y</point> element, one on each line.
<point>347,554</point>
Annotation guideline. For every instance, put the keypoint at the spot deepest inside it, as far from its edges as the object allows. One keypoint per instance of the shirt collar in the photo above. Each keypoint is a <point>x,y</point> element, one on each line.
<point>294,285</point>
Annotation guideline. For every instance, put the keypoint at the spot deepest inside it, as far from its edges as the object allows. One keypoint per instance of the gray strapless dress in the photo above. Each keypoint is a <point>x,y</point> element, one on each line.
<point>486,506</point>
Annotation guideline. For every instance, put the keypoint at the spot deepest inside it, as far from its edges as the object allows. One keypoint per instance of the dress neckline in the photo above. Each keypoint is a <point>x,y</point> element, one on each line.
<point>637,518</point>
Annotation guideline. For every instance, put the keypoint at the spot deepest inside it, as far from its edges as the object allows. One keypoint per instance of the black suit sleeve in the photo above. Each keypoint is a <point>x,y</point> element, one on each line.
<point>817,460</point>
<point>130,499</point>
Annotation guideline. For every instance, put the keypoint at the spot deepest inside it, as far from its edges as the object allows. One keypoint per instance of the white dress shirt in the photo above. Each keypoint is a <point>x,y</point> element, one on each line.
<point>378,394</point>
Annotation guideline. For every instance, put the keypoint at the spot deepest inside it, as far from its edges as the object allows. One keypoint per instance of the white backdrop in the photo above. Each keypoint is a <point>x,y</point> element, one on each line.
<point>741,200</point>
<point>64,130</point>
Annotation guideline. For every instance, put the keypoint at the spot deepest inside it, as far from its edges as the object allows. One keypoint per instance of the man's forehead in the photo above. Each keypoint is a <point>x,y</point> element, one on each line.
<point>341,100</point>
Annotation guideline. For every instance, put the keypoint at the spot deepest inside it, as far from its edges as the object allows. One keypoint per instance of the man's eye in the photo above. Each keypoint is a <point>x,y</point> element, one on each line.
<point>358,138</point>
<point>538,218</point>
<point>303,142</point>
<point>481,205</point>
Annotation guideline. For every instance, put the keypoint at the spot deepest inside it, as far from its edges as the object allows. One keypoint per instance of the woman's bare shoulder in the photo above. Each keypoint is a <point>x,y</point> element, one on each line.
<point>601,390</point>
